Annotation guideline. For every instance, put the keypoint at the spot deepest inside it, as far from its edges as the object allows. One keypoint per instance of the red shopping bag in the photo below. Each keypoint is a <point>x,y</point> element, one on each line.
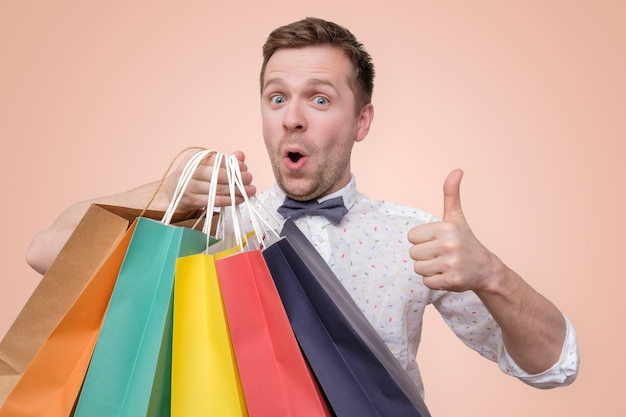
<point>275,377</point>
<point>271,365</point>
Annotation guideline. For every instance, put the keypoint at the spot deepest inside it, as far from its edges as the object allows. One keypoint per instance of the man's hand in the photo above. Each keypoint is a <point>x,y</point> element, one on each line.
<point>446,253</point>
<point>449,257</point>
<point>196,194</point>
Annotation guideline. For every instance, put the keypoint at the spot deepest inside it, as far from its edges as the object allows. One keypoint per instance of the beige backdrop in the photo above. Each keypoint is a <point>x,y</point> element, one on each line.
<point>528,98</point>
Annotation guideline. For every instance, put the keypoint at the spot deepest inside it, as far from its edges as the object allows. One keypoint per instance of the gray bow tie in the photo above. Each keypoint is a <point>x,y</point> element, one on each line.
<point>333,209</point>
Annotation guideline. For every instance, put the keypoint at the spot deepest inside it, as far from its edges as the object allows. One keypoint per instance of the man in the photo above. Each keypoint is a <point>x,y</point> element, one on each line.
<point>316,89</point>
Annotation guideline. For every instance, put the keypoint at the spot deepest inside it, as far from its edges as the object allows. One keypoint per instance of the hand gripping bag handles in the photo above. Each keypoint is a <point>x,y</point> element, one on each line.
<point>205,377</point>
<point>276,379</point>
<point>130,371</point>
<point>355,369</point>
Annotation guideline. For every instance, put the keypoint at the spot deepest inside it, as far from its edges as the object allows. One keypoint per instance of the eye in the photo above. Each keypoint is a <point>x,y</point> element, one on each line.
<point>277,99</point>
<point>320,100</point>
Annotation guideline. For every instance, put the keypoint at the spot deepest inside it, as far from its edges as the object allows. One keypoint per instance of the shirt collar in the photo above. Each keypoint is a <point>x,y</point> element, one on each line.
<point>349,193</point>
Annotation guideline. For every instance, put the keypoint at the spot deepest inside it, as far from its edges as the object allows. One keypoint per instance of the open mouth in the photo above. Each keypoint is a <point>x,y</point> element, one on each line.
<point>294,156</point>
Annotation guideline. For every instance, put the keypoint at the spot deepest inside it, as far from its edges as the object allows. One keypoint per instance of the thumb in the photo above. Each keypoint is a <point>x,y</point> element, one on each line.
<point>452,196</point>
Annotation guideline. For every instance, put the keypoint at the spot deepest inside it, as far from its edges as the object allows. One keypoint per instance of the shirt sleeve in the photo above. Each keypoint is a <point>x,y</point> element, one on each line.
<point>562,373</point>
<point>469,319</point>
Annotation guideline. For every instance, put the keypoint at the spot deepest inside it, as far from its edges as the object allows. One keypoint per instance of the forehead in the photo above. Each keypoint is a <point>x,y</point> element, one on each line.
<point>311,62</point>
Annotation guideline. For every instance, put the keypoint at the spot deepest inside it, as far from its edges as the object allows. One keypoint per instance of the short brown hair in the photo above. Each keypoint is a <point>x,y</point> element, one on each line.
<point>313,31</point>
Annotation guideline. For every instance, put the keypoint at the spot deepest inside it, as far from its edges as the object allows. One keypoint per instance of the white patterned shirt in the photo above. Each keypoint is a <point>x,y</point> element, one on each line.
<point>369,252</point>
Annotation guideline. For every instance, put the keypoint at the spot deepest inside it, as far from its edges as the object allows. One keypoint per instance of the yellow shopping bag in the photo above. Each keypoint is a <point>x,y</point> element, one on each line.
<point>205,378</point>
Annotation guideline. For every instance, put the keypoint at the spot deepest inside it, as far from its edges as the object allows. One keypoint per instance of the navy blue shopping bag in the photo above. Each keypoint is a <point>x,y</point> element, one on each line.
<point>355,369</point>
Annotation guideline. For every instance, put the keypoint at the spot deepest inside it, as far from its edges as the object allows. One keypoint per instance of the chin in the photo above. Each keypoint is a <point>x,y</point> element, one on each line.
<point>298,190</point>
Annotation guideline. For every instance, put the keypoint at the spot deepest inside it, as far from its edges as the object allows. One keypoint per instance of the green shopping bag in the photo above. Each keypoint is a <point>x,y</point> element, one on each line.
<point>130,371</point>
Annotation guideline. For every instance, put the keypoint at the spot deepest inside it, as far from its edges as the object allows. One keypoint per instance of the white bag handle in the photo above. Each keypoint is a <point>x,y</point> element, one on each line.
<point>265,234</point>
<point>185,177</point>
<point>210,208</point>
<point>238,240</point>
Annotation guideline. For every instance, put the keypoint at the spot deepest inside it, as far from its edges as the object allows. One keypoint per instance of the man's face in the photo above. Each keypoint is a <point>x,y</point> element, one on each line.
<point>309,122</point>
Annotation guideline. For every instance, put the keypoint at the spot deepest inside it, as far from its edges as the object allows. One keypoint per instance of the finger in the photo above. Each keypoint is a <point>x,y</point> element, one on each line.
<point>435,282</point>
<point>240,156</point>
<point>250,190</point>
<point>425,251</point>
<point>227,200</point>
<point>452,196</point>
<point>427,268</point>
<point>205,172</point>
<point>423,233</point>
<point>209,160</point>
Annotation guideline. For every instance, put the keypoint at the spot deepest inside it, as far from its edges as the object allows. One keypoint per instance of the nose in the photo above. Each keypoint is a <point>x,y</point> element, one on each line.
<point>294,117</point>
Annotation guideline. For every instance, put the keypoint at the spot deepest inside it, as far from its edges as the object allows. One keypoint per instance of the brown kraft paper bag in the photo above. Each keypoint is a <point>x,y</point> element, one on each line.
<point>96,235</point>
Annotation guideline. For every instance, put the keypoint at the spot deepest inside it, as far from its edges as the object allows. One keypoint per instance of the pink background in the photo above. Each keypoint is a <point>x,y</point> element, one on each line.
<point>528,98</point>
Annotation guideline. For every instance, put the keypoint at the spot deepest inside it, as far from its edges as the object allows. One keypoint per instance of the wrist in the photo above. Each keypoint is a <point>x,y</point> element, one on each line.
<point>499,279</point>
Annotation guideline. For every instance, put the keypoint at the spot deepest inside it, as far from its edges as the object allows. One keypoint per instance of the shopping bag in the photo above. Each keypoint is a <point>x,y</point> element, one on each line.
<point>352,365</point>
<point>130,371</point>
<point>269,359</point>
<point>95,235</point>
<point>205,377</point>
<point>51,383</point>
<point>337,295</point>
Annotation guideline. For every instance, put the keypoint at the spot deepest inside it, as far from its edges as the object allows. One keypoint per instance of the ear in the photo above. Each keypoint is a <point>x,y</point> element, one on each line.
<point>364,122</point>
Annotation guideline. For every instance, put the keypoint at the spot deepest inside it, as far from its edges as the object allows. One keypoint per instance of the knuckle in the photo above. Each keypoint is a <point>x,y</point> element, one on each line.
<point>447,227</point>
<point>450,246</point>
<point>455,264</point>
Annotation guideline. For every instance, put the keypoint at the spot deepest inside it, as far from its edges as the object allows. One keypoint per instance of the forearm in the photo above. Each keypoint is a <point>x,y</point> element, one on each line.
<point>533,329</point>
<point>47,244</point>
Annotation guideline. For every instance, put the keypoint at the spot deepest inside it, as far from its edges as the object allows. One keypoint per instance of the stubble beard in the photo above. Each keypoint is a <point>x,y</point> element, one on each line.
<point>328,171</point>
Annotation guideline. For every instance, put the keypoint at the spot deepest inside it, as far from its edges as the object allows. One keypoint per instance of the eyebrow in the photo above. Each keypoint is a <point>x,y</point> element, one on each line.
<point>310,82</point>
<point>273,81</point>
<point>317,81</point>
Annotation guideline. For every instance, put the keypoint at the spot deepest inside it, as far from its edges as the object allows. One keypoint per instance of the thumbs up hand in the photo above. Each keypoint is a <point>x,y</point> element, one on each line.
<point>449,257</point>
<point>446,253</point>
